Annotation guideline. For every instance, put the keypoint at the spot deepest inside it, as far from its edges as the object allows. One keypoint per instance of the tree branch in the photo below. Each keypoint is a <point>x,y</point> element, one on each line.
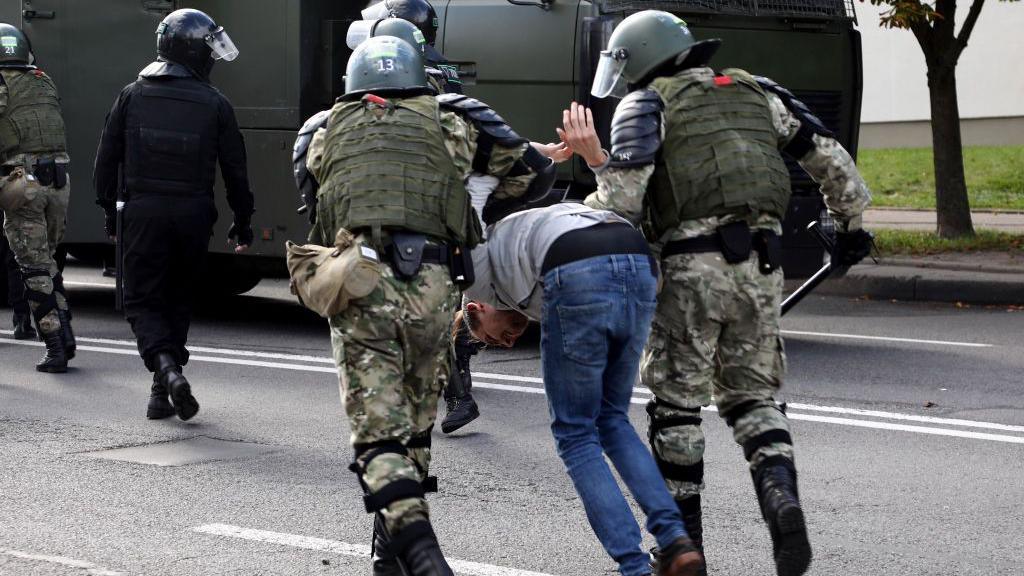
<point>923,32</point>
<point>965,32</point>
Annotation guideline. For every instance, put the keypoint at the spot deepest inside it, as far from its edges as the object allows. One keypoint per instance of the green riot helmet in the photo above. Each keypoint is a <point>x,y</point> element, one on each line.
<point>419,12</point>
<point>385,65</point>
<point>360,30</point>
<point>641,44</point>
<point>15,49</point>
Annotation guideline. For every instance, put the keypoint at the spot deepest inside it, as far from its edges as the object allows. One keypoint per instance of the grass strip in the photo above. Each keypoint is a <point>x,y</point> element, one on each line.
<point>919,242</point>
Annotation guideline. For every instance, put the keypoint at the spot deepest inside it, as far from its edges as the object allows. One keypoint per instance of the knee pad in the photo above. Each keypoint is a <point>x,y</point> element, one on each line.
<point>769,425</point>
<point>658,421</point>
<point>392,492</point>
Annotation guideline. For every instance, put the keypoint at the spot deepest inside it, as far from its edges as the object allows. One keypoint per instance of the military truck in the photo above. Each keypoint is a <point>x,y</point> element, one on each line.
<point>527,58</point>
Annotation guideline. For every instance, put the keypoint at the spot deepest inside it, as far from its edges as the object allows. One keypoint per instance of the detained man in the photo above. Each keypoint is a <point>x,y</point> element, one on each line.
<point>588,277</point>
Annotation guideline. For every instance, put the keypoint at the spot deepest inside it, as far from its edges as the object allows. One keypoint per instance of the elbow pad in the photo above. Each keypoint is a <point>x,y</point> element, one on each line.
<point>802,142</point>
<point>492,128</point>
<point>636,130</point>
<point>305,181</point>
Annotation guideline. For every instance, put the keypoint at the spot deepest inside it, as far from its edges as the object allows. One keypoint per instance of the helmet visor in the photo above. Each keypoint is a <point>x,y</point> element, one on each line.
<point>376,12</point>
<point>221,45</point>
<point>358,32</point>
<point>608,78</point>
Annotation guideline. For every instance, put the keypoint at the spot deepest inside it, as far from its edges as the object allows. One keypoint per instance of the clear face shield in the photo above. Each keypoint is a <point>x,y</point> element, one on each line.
<point>221,45</point>
<point>358,32</point>
<point>378,11</point>
<point>608,79</point>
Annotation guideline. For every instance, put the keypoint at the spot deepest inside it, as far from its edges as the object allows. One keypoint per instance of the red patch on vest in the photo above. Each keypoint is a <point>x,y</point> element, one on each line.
<point>374,99</point>
<point>722,80</point>
<point>39,73</point>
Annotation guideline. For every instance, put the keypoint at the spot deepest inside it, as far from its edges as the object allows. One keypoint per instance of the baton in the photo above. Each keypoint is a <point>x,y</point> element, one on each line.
<point>800,293</point>
<point>119,257</point>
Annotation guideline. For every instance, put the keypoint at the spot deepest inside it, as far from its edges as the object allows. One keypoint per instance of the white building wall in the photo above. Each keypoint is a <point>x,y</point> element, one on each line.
<point>990,75</point>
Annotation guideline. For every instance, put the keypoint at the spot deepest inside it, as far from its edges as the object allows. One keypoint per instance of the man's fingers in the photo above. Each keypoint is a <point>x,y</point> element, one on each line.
<point>590,118</point>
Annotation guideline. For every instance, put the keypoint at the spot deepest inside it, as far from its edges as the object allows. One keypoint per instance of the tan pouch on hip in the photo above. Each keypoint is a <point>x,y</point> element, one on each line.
<point>326,279</point>
<point>16,189</point>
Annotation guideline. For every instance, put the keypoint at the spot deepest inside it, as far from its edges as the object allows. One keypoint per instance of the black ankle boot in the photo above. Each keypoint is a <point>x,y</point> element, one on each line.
<point>461,411</point>
<point>168,374</point>
<point>54,360</point>
<point>690,509</point>
<point>384,562</point>
<point>775,482</point>
<point>23,329</point>
<point>159,405</point>
<point>417,548</point>
<point>67,335</point>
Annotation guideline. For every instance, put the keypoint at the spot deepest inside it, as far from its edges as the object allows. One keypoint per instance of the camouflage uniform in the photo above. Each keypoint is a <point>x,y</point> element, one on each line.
<point>36,228</point>
<point>390,346</point>
<point>715,334</point>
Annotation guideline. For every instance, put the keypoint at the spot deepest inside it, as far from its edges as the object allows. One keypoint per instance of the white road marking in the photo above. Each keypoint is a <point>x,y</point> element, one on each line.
<point>346,549</point>
<point>886,339</point>
<point>89,284</point>
<point>88,567</point>
<point>248,355</point>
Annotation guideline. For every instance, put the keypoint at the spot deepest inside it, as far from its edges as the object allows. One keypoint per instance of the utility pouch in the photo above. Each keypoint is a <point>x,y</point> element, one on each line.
<point>326,279</point>
<point>16,189</point>
<point>736,240</point>
<point>769,251</point>
<point>45,171</point>
<point>60,176</point>
<point>463,274</point>
<point>407,254</point>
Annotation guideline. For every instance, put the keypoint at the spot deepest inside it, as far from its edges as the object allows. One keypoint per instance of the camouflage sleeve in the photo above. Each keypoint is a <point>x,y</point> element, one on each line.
<point>315,153</point>
<point>621,190</point>
<point>3,96</point>
<point>784,122</point>
<point>460,139</point>
<point>502,161</point>
<point>846,193</point>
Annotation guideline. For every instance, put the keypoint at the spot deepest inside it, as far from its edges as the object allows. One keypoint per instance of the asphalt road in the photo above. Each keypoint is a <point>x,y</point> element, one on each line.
<point>908,418</point>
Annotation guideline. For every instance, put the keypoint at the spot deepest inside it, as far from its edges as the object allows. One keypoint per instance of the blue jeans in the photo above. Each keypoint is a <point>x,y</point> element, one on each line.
<point>597,314</point>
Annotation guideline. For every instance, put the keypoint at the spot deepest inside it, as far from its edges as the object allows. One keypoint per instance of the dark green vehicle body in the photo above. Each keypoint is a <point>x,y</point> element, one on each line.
<point>527,62</point>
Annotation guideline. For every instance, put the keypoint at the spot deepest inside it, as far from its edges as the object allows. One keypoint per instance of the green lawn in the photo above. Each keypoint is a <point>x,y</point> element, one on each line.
<point>918,242</point>
<point>903,177</point>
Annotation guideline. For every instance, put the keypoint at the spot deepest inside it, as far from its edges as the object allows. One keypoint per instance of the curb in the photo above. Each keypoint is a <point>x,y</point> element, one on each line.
<point>927,284</point>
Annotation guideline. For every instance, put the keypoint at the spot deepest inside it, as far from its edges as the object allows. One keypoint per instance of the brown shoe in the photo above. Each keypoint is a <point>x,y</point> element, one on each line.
<point>681,558</point>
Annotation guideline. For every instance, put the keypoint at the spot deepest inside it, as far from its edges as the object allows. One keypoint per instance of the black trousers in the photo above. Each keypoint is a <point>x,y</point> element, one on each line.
<point>165,244</point>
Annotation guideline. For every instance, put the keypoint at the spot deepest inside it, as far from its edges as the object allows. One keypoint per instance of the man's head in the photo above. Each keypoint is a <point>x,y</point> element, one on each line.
<point>192,39</point>
<point>643,44</point>
<point>385,66</point>
<point>492,326</point>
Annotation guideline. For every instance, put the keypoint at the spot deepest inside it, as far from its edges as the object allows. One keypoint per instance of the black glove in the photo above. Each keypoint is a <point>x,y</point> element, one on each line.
<point>110,223</point>
<point>241,232</point>
<point>852,247</point>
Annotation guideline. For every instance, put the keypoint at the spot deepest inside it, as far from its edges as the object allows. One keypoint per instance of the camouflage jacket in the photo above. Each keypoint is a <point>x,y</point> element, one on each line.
<point>622,190</point>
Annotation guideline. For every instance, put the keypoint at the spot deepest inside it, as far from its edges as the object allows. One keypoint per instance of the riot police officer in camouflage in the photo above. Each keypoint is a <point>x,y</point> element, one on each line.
<point>392,165</point>
<point>33,142</point>
<point>166,133</point>
<point>695,158</point>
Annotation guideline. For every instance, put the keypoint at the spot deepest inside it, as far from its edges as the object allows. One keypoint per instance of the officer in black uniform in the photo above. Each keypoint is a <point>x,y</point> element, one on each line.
<point>166,133</point>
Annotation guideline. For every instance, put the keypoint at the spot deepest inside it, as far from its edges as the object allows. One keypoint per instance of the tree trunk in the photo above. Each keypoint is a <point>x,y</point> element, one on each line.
<point>951,203</point>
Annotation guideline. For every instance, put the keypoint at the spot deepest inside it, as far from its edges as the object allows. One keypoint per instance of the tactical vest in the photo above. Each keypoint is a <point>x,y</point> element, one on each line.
<point>393,171</point>
<point>720,153</point>
<point>171,133</point>
<point>31,123</point>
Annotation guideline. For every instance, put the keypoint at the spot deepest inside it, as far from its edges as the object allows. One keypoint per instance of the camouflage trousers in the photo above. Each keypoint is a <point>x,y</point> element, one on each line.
<point>34,231</point>
<point>715,334</point>
<point>390,348</point>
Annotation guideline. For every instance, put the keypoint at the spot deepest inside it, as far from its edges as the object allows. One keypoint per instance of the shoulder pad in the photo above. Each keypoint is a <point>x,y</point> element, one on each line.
<point>315,122</point>
<point>304,181</point>
<point>636,129</point>
<point>485,119</point>
<point>796,107</point>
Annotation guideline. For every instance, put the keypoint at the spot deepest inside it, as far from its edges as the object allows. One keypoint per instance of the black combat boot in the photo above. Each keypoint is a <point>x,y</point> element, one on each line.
<point>168,374</point>
<point>461,411</point>
<point>23,329</point>
<point>54,360</point>
<point>159,405</point>
<point>775,482</point>
<point>66,334</point>
<point>384,562</point>
<point>681,558</point>
<point>689,507</point>
<point>417,548</point>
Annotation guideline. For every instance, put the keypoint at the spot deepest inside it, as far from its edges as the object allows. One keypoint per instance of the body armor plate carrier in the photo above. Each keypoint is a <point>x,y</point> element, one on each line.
<point>31,123</point>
